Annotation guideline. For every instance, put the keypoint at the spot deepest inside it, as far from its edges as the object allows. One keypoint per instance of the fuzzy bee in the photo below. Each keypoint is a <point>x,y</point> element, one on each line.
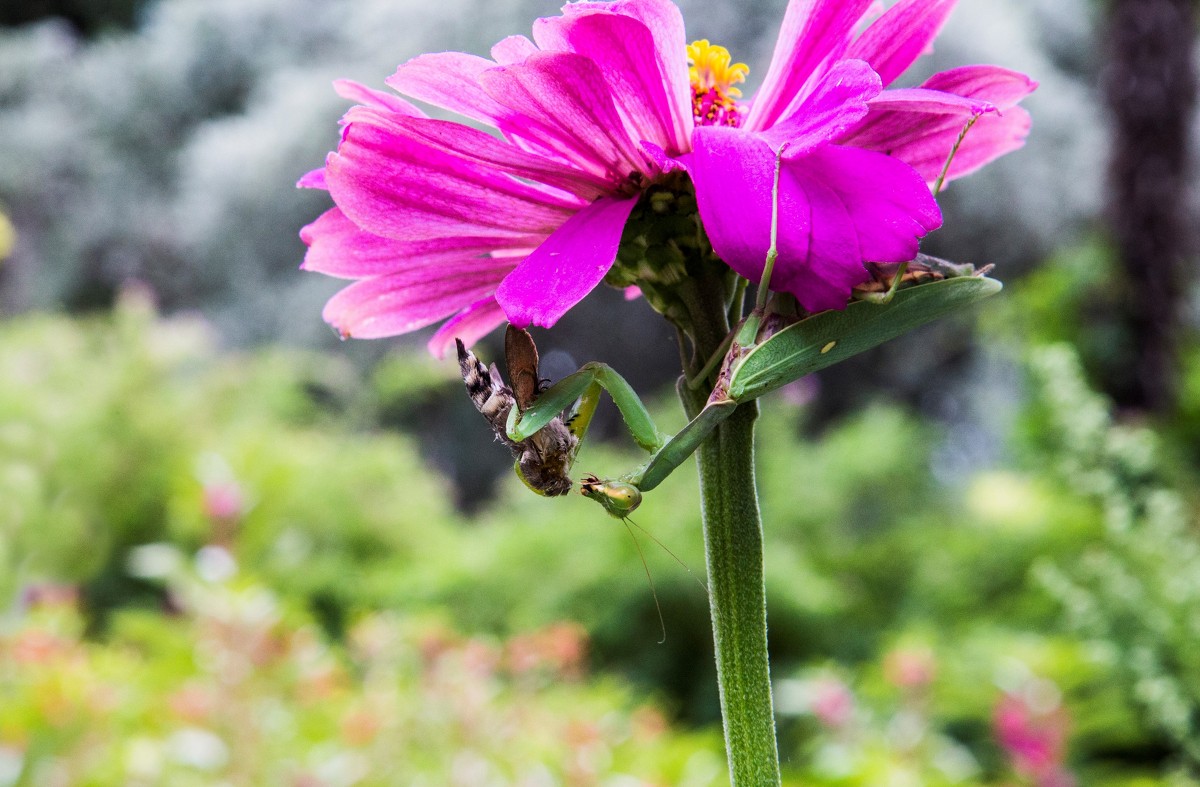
<point>543,461</point>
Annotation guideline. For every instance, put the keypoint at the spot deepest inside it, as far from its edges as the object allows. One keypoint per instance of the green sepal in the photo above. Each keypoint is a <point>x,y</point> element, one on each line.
<point>831,336</point>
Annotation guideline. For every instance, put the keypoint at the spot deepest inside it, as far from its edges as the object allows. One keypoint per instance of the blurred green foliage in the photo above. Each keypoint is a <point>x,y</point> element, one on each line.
<point>115,429</point>
<point>932,621</point>
<point>1136,593</point>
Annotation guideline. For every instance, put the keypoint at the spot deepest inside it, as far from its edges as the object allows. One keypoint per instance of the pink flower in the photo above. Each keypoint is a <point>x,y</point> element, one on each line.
<point>436,219</point>
<point>910,668</point>
<point>1034,739</point>
<point>832,702</point>
<point>223,500</point>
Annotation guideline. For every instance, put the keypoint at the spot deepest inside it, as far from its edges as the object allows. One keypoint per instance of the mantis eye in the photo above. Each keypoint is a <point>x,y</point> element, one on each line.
<point>618,498</point>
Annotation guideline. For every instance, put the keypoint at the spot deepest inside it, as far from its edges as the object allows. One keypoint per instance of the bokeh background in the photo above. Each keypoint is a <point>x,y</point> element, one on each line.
<point>236,551</point>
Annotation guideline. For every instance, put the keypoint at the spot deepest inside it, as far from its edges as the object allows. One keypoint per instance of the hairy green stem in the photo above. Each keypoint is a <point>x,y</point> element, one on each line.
<point>733,542</point>
<point>737,598</point>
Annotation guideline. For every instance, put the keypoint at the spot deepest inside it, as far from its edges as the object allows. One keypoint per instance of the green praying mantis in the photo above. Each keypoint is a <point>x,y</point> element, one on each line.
<point>765,351</point>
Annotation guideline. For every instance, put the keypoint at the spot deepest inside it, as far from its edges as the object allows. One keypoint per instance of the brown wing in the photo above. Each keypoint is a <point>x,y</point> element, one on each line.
<point>521,357</point>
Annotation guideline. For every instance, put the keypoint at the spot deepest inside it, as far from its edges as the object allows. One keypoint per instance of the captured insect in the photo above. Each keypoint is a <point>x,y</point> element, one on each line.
<point>544,458</point>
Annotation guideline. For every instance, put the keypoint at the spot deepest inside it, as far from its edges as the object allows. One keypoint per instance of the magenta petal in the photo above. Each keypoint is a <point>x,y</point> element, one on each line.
<point>901,35</point>
<point>919,99</point>
<point>560,105</point>
<point>393,185</point>
<point>813,32</point>
<point>838,102</point>
<point>338,247</point>
<point>887,201</point>
<point>449,80</point>
<point>567,266</point>
<point>470,325</point>
<point>922,132</point>
<point>405,301</point>
<point>864,206</point>
<point>989,139</point>
<point>733,172</point>
<point>836,210</point>
<point>659,158</point>
<point>479,147</point>
<point>629,59</point>
<point>665,23</point>
<point>822,267</point>
<point>991,136</point>
<point>361,94</point>
<point>512,49</point>
<point>1000,86</point>
<point>314,179</point>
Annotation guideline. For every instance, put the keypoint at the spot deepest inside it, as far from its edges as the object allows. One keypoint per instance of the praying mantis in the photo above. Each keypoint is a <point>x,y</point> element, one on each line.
<point>764,352</point>
<point>762,356</point>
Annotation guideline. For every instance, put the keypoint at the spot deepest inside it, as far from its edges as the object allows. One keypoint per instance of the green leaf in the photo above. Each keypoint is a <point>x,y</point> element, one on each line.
<point>826,338</point>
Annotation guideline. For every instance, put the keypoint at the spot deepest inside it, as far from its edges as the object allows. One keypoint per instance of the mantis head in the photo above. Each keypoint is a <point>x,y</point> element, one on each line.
<point>618,498</point>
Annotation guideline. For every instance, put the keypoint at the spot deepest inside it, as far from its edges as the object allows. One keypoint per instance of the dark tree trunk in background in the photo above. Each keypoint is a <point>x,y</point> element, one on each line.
<point>1150,88</point>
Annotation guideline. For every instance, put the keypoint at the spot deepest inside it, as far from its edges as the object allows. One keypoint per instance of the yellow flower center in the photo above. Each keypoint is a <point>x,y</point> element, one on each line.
<point>713,77</point>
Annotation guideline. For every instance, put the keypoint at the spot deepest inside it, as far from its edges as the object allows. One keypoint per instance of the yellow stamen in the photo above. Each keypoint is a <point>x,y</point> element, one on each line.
<point>709,68</point>
<point>713,77</point>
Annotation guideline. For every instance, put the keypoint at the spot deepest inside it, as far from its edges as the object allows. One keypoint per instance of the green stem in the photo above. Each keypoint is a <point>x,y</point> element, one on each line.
<point>737,598</point>
<point>733,542</point>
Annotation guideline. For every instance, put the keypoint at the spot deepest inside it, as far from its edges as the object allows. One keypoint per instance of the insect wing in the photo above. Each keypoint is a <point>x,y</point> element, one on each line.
<point>521,357</point>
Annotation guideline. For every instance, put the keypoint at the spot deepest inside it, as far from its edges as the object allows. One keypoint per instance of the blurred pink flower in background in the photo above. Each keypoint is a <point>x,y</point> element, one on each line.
<point>50,594</point>
<point>1034,738</point>
<point>436,219</point>
<point>910,668</point>
<point>832,702</point>
<point>223,501</point>
<point>558,651</point>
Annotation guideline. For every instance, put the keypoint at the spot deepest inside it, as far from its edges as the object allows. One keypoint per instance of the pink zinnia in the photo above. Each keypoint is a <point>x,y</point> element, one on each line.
<point>437,219</point>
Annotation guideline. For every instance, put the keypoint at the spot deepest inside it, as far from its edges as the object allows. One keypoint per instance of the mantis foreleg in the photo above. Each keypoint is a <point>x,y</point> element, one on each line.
<point>676,450</point>
<point>584,386</point>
